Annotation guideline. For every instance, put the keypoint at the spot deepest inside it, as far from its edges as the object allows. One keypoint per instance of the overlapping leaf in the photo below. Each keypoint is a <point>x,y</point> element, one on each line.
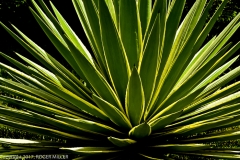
<point>171,102</point>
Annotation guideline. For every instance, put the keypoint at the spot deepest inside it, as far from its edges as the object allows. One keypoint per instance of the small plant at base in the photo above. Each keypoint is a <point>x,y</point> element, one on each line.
<point>148,89</point>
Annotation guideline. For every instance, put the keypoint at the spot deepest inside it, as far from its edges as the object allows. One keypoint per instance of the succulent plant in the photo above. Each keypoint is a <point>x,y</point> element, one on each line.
<point>150,87</point>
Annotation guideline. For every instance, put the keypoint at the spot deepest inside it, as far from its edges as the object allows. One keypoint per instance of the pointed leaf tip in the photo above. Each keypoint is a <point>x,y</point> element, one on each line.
<point>121,142</point>
<point>141,131</point>
<point>135,101</point>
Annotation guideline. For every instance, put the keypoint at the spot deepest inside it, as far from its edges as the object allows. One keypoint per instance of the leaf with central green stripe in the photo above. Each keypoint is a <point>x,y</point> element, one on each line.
<point>121,142</point>
<point>214,62</point>
<point>18,143</point>
<point>205,31</point>
<point>61,47</point>
<point>194,79</point>
<point>223,80</point>
<point>86,21</point>
<point>179,54</point>
<point>116,8</point>
<point>45,110</point>
<point>17,63</point>
<point>159,7</point>
<point>33,99</point>
<point>94,26</point>
<point>89,125</point>
<point>130,30</point>
<point>178,105</point>
<point>97,81</point>
<point>43,71</point>
<point>154,157</point>
<point>117,116</point>
<point>227,100</point>
<point>42,130</point>
<point>163,121</point>
<point>173,16</point>
<point>69,77</point>
<point>152,86</point>
<point>150,60</point>
<point>145,7</point>
<point>36,92</point>
<point>60,29</point>
<point>24,76</point>
<point>204,125</point>
<point>135,103</point>
<point>70,33</point>
<point>221,111</point>
<point>216,95</point>
<point>180,147</point>
<point>19,114</point>
<point>111,9</point>
<point>46,59</point>
<point>49,19</point>
<point>66,127</point>
<point>114,52</point>
<point>216,73</point>
<point>185,74</point>
<point>140,131</point>
<point>91,150</point>
<point>75,100</point>
<point>215,137</point>
<point>31,151</point>
<point>29,70</point>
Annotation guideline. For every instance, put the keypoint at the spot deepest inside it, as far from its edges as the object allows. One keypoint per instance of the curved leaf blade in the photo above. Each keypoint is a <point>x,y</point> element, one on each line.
<point>121,142</point>
<point>112,43</point>
<point>130,30</point>
<point>116,116</point>
<point>163,121</point>
<point>141,131</point>
<point>135,102</point>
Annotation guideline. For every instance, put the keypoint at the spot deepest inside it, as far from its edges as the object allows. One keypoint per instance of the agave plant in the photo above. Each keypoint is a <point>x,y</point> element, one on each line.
<point>151,86</point>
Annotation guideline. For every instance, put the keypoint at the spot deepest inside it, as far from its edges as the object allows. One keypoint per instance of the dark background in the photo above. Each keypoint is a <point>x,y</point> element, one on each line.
<point>17,13</point>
